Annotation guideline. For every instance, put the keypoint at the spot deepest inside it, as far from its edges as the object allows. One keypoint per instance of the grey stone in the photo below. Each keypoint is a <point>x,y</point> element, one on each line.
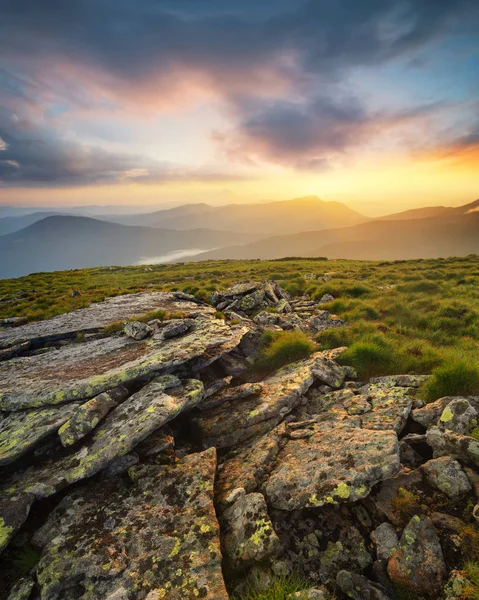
<point>386,540</point>
<point>450,443</point>
<point>248,534</point>
<point>459,416</point>
<point>445,474</point>
<point>22,590</point>
<point>358,587</point>
<point>177,327</point>
<point>137,330</point>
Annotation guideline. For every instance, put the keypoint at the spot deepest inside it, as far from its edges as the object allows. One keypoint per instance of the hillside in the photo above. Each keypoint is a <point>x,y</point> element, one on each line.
<point>432,211</point>
<point>286,216</point>
<point>66,242</point>
<point>374,240</point>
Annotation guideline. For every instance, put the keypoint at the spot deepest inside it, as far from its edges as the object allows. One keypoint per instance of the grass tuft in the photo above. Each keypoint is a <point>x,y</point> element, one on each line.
<point>455,379</point>
<point>283,347</point>
<point>371,356</point>
<point>280,589</point>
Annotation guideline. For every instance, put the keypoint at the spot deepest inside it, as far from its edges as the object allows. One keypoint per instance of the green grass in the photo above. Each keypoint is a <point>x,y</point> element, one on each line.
<point>429,318</point>
<point>280,589</point>
<point>283,347</point>
<point>471,569</point>
<point>458,378</point>
<point>26,559</point>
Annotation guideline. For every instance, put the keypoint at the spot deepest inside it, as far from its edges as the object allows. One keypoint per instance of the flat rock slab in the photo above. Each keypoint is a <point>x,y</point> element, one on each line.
<point>99,315</point>
<point>22,431</point>
<point>128,424</point>
<point>82,371</point>
<point>235,422</point>
<point>156,539</point>
<point>335,464</point>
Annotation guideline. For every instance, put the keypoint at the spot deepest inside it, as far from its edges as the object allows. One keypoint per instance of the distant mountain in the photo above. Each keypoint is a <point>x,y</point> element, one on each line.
<point>375,240</point>
<point>432,211</point>
<point>11,224</point>
<point>154,219</point>
<point>286,216</point>
<point>69,242</point>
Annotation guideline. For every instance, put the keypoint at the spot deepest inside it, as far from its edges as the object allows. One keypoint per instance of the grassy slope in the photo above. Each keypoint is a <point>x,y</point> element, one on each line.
<point>428,318</point>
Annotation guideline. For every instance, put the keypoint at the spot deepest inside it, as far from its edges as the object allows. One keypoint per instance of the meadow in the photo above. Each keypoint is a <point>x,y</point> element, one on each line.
<point>417,316</point>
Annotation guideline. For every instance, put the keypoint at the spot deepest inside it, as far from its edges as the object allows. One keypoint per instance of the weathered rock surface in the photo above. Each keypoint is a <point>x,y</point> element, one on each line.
<point>459,416</point>
<point>334,465</point>
<point>155,539</point>
<point>445,474</point>
<point>418,563</point>
<point>82,371</point>
<point>386,540</point>
<point>137,330</point>
<point>23,430</point>
<point>22,590</point>
<point>359,588</point>
<point>450,443</point>
<point>87,416</point>
<point>233,423</point>
<point>99,315</point>
<point>248,534</point>
<point>14,510</point>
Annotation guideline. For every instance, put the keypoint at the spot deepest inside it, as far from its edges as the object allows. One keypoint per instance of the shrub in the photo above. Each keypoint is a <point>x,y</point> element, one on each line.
<point>471,569</point>
<point>456,379</point>
<point>370,356</point>
<point>406,504</point>
<point>282,348</point>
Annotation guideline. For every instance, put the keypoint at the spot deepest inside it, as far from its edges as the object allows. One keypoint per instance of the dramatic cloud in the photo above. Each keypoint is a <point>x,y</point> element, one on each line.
<point>274,68</point>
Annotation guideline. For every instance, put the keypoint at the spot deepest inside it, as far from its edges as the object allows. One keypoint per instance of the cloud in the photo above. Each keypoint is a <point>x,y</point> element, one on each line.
<point>276,67</point>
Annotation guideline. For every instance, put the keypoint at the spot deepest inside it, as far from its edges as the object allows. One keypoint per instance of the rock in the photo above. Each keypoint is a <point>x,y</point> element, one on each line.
<point>249,468</point>
<point>177,327</point>
<point>137,330</point>
<point>87,416</point>
<point>359,588</point>
<point>447,522</point>
<point>233,423</point>
<point>384,499</point>
<point>390,407</point>
<point>312,594</point>
<point>475,513</point>
<point>232,365</point>
<point>337,464</point>
<point>386,541</point>
<point>14,350</point>
<point>349,551</point>
<point>156,443</point>
<point>429,415</point>
<point>409,457</point>
<point>231,395</point>
<point>248,532</point>
<point>75,293</point>
<point>326,298</point>
<point>120,432</point>
<point>22,431</point>
<point>14,509</point>
<point>250,302</point>
<point>445,474</point>
<point>81,371</point>
<point>473,480</point>
<point>283,306</point>
<point>459,416</point>
<point>450,443</point>
<point>329,373</point>
<point>100,315</point>
<point>418,563</point>
<point>408,381</point>
<point>22,590</point>
<point>155,539</point>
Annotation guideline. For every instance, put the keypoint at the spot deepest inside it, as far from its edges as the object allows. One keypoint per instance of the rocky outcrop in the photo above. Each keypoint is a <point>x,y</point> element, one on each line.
<point>149,460</point>
<point>156,538</point>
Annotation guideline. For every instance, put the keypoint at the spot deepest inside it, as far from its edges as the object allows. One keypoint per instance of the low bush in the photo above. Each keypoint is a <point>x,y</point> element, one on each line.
<point>471,570</point>
<point>455,379</point>
<point>282,348</point>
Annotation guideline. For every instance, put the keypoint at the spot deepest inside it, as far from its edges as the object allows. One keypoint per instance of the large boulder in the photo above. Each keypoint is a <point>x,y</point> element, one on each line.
<point>459,416</point>
<point>332,465</point>
<point>157,538</point>
<point>418,563</point>
<point>358,587</point>
<point>455,445</point>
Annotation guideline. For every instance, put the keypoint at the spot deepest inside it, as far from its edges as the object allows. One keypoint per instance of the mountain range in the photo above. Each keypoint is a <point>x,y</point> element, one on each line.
<point>42,241</point>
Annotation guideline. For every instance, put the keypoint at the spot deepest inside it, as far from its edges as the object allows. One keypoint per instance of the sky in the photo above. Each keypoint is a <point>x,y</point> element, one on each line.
<point>369,102</point>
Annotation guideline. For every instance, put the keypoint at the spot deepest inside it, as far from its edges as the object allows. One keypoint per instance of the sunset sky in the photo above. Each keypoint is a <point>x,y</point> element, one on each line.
<point>374,103</point>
